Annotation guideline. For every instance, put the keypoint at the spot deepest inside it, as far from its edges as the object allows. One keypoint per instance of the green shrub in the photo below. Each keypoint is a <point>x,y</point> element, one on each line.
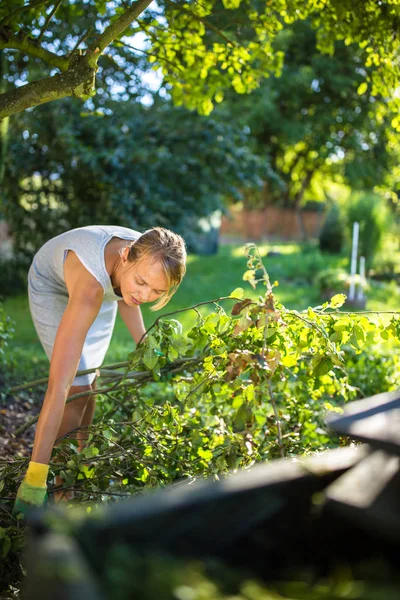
<point>337,280</point>
<point>299,266</point>
<point>386,265</point>
<point>6,333</point>
<point>373,371</point>
<point>371,212</point>
<point>332,237</point>
<point>333,281</point>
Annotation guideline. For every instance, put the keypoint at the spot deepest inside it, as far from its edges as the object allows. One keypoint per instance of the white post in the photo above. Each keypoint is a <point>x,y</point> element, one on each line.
<point>353,268</point>
<point>360,292</point>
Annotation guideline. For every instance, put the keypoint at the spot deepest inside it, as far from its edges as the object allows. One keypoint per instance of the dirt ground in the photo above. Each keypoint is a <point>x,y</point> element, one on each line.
<point>16,410</point>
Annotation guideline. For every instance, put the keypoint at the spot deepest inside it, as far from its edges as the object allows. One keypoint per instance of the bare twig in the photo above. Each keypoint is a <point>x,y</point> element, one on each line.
<point>49,17</point>
<point>160,58</point>
<point>32,384</point>
<point>114,30</point>
<point>83,37</point>
<point>142,375</point>
<point>91,492</point>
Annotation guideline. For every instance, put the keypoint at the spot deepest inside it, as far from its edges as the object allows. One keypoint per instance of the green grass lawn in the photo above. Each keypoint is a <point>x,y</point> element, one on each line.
<point>210,277</point>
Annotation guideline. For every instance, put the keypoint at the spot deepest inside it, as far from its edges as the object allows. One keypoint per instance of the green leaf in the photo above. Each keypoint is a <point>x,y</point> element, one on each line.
<point>150,357</point>
<point>5,546</point>
<point>237,293</point>
<point>231,4</point>
<point>362,88</point>
<point>205,454</point>
<point>250,276</point>
<point>323,367</point>
<point>243,417</point>
<point>338,300</point>
<point>143,475</point>
<point>87,472</point>
<point>90,452</point>
<point>332,408</point>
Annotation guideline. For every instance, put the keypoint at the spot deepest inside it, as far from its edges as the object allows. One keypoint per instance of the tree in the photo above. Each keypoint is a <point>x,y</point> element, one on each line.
<point>131,165</point>
<point>314,125</point>
<point>202,48</point>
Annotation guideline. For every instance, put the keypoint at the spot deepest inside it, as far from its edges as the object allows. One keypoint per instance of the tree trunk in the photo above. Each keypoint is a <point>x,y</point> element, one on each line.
<point>298,198</point>
<point>295,162</point>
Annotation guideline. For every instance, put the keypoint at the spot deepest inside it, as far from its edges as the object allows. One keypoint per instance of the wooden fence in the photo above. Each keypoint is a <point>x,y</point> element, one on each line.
<point>271,222</point>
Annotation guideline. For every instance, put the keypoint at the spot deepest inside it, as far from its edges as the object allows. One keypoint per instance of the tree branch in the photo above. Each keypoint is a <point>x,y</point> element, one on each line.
<point>31,46</point>
<point>79,76</point>
<point>25,7</point>
<point>78,81</point>
<point>31,384</point>
<point>114,30</point>
<point>83,37</point>
<point>50,16</point>
<point>121,383</point>
<point>160,58</point>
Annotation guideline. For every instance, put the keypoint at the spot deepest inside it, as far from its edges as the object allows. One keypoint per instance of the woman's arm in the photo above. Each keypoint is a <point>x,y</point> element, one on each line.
<point>85,298</point>
<point>132,317</point>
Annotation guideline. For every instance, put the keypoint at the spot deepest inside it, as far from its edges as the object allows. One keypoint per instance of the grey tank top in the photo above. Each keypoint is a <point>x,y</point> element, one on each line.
<point>89,244</point>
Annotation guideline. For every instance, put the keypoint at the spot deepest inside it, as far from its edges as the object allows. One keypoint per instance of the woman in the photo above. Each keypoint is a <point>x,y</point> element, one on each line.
<point>75,283</point>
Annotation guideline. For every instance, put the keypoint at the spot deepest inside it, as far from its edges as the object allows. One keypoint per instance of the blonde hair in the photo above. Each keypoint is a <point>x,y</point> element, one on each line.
<point>169,249</point>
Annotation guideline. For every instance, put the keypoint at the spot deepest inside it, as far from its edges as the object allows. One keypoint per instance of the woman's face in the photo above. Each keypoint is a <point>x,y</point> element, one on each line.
<point>144,281</point>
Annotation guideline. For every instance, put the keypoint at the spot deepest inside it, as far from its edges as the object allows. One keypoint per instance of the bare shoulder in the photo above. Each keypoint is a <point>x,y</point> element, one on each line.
<point>79,281</point>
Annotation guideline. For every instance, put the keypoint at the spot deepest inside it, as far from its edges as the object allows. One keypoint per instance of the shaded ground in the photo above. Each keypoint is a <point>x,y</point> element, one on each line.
<point>16,410</point>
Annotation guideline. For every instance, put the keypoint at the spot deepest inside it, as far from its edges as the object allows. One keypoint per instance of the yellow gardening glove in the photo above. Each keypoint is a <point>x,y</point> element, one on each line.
<point>32,493</point>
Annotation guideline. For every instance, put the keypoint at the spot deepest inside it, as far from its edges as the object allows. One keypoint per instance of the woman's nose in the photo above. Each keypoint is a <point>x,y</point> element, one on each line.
<point>144,295</point>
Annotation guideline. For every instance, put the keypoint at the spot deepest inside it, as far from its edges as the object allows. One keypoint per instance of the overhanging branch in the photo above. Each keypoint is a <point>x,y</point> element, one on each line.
<point>115,30</point>
<point>78,81</point>
<point>79,76</point>
<point>23,8</point>
<point>30,46</point>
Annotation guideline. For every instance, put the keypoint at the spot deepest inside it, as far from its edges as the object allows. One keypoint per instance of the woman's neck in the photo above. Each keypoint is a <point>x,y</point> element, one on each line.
<point>113,260</point>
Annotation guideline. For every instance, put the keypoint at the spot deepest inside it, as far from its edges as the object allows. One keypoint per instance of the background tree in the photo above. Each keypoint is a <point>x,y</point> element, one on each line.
<point>314,125</point>
<point>316,122</point>
<point>199,53</point>
<point>130,165</point>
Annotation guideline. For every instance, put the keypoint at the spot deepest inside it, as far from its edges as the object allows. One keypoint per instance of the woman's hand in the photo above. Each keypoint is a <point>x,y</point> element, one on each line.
<point>32,493</point>
<point>28,498</point>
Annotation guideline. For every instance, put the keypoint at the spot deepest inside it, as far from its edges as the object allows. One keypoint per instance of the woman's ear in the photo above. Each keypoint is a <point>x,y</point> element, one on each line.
<point>124,255</point>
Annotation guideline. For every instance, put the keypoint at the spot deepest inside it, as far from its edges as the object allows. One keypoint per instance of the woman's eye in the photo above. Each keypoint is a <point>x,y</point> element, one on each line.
<point>139,282</point>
